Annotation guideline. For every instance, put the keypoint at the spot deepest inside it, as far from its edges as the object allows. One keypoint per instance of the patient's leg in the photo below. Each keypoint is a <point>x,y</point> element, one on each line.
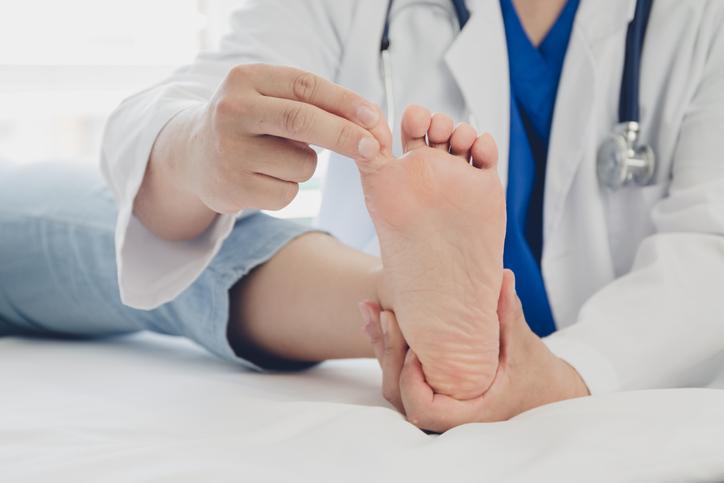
<point>58,278</point>
<point>441,224</point>
<point>303,303</point>
<point>57,263</point>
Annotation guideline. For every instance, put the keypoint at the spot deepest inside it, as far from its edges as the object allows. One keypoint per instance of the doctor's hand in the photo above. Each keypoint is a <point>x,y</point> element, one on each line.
<point>529,375</point>
<point>249,147</point>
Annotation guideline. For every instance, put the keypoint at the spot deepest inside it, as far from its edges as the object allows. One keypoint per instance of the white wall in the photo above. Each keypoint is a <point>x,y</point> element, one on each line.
<point>64,65</point>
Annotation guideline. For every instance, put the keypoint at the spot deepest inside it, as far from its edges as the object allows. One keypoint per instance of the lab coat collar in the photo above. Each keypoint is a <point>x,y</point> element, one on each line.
<point>478,61</point>
<point>570,137</point>
<point>484,78</point>
<point>598,19</point>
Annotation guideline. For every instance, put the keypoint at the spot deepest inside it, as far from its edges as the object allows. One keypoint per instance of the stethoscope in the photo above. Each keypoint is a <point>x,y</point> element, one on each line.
<point>622,160</point>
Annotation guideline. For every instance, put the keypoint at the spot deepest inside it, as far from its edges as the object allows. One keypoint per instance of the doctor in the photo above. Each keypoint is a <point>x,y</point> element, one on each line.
<point>621,284</point>
<point>629,277</point>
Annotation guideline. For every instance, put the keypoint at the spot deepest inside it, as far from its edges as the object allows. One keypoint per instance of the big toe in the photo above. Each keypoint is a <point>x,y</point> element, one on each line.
<point>415,124</point>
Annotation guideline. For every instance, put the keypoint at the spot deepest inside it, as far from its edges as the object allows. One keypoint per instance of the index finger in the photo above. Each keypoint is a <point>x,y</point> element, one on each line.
<point>298,85</point>
<point>395,349</point>
<point>311,125</point>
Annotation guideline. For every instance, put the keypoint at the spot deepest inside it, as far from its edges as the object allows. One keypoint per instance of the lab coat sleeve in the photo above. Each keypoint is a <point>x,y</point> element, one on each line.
<point>307,35</point>
<point>662,325</point>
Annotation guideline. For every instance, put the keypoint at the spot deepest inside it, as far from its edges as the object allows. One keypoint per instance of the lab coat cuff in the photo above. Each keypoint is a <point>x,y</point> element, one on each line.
<point>596,371</point>
<point>152,271</point>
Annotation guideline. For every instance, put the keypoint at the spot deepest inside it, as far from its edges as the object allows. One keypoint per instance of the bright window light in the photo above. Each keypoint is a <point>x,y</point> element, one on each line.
<point>93,32</point>
<point>66,65</point>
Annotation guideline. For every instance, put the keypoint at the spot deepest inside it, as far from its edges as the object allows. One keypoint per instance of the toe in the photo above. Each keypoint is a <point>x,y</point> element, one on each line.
<point>462,140</point>
<point>441,129</point>
<point>485,152</point>
<point>415,124</point>
<point>382,133</point>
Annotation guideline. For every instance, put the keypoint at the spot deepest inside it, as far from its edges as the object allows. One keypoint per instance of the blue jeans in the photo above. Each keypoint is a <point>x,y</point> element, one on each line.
<point>58,270</point>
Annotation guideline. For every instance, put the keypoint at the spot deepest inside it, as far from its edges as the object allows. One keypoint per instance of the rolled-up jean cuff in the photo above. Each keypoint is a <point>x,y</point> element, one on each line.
<point>255,239</point>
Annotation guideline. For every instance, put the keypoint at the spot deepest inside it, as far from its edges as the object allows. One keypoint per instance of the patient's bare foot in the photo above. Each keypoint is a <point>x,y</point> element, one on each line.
<point>441,225</point>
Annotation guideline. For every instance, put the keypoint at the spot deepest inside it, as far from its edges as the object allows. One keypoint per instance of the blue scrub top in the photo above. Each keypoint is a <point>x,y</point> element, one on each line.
<point>534,77</point>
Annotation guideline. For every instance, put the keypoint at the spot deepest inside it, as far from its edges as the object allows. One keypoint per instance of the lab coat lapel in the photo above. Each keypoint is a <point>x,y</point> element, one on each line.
<point>575,224</point>
<point>478,61</point>
<point>570,135</point>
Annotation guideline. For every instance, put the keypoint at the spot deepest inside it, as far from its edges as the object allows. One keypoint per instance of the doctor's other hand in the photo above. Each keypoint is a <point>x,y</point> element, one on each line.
<point>529,375</point>
<point>249,147</point>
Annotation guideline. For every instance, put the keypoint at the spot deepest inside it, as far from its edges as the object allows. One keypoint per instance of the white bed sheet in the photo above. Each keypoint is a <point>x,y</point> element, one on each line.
<point>157,409</point>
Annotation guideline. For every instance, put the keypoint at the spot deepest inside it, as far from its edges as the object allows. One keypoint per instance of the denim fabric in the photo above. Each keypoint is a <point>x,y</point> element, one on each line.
<point>58,270</point>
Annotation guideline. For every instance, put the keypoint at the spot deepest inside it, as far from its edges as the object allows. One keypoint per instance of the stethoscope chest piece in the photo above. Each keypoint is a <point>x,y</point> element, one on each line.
<point>623,161</point>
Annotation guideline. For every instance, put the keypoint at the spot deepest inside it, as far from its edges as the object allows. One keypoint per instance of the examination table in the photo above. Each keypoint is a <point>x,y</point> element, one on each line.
<point>149,408</point>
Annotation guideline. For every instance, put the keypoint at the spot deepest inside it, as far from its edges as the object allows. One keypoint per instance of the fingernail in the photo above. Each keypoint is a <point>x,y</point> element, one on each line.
<point>367,116</point>
<point>368,147</point>
<point>384,322</point>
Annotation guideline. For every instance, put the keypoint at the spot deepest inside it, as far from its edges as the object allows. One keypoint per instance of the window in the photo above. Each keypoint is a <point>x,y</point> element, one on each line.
<point>64,67</point>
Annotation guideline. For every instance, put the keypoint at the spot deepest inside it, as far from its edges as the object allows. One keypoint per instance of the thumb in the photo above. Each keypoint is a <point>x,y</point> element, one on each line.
<point>513,326</point>
<point>375,153</point>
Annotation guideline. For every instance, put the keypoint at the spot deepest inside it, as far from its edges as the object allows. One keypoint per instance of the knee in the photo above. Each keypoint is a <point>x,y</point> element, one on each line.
<point>61,191</point>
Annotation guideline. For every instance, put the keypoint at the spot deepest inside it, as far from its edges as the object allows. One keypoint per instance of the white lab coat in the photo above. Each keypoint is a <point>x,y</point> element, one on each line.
<point>635,278</point>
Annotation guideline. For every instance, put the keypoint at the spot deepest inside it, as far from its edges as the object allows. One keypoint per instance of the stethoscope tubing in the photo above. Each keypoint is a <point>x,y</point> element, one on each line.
<point>631,161</point>
<point>629,102</point>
